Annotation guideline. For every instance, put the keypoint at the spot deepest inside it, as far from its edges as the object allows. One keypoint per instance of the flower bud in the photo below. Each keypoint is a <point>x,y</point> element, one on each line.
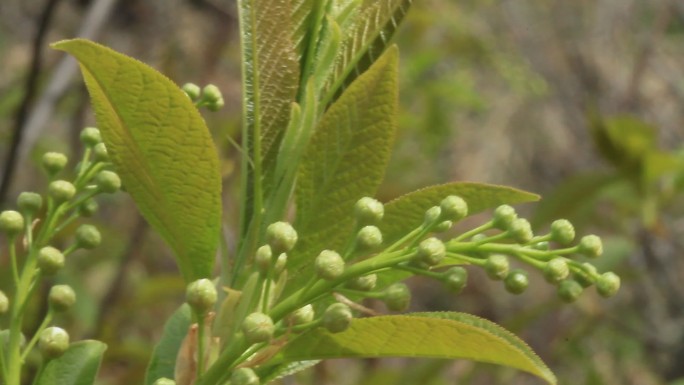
<point>61,298</point>
<point>608,284</point>
<point>364,283</point>
<point>556,270</point>
<point>368,211</point>
<point>543,246</point>
<point>455,279</point>
<point>108,181</point>
<point>50,260</point>
<point>432,216</point>
<point>4,302</point>
<point>562,232</point>
<point>258,327</point>
<point>521,231</point>
<point>164,381</point>
<point>478,237</point>
<point>337,317</point>
<point>516,281</point>
<point>192,90</point>
<point>213,97</point>
<point>29,203</point>
<point>90,136</point>
<point>430,251</point>
<point>280,263</point>
<point>53,162</point>
<point>61,190</point>
<point>281,236</point>
<point>263,259</point>
<point>11,222</point>
<point>585,277</point>
<point>590,246</point>
<point>87,208</point>
<point>397,297</point>
<point>87,237</point>
<point>442,226</point>
<point>504,216</point>
<point>53,342</point>
<point>569,290</point>
<point>244,376</point>
<point>303,315</point>
<point>454,208</point>
<point>100,153</point>
<point>496,266</point>
<point>368,238</point>
<point>329,265</point>
<point>201,295</point>
<point>212,93</point>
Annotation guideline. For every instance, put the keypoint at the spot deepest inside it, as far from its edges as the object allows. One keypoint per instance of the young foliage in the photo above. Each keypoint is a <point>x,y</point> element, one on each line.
<point>162,149</point>
<point>346,159</point>
<point>320,93</point>
<point>434,335</point>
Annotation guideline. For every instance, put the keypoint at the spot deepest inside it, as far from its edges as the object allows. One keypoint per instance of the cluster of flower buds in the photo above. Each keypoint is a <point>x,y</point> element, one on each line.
<point>373,267</point>
<point>65,201</point>
<point>491,247</point>
<point>210,96</point>
<point>559,265</point>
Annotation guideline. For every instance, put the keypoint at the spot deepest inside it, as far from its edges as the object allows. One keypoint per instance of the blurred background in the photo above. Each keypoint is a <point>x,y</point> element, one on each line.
<point>579,101</point>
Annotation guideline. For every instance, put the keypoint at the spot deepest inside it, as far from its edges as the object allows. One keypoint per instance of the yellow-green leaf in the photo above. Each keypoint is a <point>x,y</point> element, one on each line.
<point>161,148</point>
<point>406,212</point>
<point>345,160</point>
<point>434,335</point>
<point>77,366</point>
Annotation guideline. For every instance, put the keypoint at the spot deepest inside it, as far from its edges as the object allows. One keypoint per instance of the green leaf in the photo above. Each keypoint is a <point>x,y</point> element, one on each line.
<point>435,335</point>
<point>77,366</point>
<point>163,361</point>
<point>301,22</point>
<point>270,79</point>
<point>406,212</point>
<point>366,40</point>
<point>161,148</point>
<point>345,160</point>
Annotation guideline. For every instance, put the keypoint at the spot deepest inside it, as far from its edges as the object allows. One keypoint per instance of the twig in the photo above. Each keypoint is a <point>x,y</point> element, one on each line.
<point>30,129</point>
<point>30,88</point>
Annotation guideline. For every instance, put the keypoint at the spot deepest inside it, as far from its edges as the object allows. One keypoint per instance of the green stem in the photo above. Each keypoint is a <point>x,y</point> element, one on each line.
<point>89,194</point>
<point>465,258</point>
<point>529,260</point>
<point>469,234</point>
<point>423,272</point>
<point>542,238</point>
<point>36,335</point>
<point>85,163</point>
<point>365,294</point>
<point>408,237</point>
<point>200,344</point>
<point>21,296</point>
<point>13,259</point>
<point>3,367</point>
